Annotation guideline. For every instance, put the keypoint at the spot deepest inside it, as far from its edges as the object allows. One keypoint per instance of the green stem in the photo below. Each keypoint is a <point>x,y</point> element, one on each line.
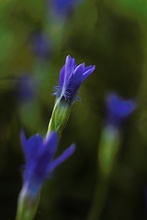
<point>107,154</point>
<point>59,118</point>
<point>27,207</point>
<point>98,200</point>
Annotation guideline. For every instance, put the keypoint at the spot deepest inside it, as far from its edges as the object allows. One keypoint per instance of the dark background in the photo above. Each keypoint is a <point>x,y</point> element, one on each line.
<point>112,34</point>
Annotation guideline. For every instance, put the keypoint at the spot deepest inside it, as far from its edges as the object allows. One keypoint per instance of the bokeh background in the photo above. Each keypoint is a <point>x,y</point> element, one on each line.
<point>34,42</point>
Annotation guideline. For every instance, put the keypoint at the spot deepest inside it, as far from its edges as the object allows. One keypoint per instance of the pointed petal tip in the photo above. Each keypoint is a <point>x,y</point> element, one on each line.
<point>69,58</point>
<point>23,135</point>
<point>82,64</point>
<point>87,71</point>
<point>65,155</point>
<point>72,148</point>
<point>78,72</point>
<point>93,67</point>
<point>69,151</point>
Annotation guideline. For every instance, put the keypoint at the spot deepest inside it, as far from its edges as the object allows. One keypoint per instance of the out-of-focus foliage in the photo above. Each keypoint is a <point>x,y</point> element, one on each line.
<point>109,34</point>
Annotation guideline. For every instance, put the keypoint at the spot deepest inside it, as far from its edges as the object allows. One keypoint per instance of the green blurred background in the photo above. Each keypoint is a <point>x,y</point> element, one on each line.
<point>112,34</point>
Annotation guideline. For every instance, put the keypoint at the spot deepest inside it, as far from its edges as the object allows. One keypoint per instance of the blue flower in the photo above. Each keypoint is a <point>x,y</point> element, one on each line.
<point>40,45</point>
<point>39,156</point>
<point>26,87</point>
<point>62,8</point>
<point>118,109</point>
<point>71,77</point>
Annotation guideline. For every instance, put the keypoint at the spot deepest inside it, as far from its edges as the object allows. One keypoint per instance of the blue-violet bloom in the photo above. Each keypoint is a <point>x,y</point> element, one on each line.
<point>62,8</point>
<point>26,87</point>
<point>71,77</point>
<point>41,45</point>
<point>118,109</point>
<point>39,156</point>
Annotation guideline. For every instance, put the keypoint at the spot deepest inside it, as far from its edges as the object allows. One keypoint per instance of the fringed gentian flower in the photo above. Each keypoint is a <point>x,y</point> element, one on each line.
<point>62,8</point>
<point>26,87</point>
<point>118,109</point>
<point>41,45</point>
<point>39,156</point>
<point>71,77</point>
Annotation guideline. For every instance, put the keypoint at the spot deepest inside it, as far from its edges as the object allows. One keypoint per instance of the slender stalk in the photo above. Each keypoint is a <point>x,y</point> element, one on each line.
<point>109,146</point>
<point>59,118</point>
<point>98,200</point>
<point>26,208</point>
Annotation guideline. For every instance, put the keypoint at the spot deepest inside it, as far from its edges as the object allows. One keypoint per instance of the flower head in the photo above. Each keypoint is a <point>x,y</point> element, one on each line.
<point>118,109</point>
<point>62,8</point>
<point>39,156</point>
<point>40,45</point>
<point>26,87</point>
<point>71,77</point>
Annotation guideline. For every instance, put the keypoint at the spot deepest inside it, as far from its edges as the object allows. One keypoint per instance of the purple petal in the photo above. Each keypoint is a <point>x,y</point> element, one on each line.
<point>37,169</point>
<point>71,78</point>
<point>40,171</point>
<point>62,8</point>
<point>51,143</point>
<point>119,106</point>
<point>41,45</point>
<point>118,109</point>
<point>77,75</point>
<point>74,83</point>
<point>87,71</point>
<point>61,79</point>
<point>70,65</point>
<point>31,146</point>
<point>66,154</point>
<point>26,88</point>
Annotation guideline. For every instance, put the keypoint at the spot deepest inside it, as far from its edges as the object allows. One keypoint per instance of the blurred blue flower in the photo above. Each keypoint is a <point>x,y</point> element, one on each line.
<point>41,45</point>
<point>62,8</point>
<point>39,156</point>
<point>118,109</point>
<point>71,77</point>
<point>26,87</point>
